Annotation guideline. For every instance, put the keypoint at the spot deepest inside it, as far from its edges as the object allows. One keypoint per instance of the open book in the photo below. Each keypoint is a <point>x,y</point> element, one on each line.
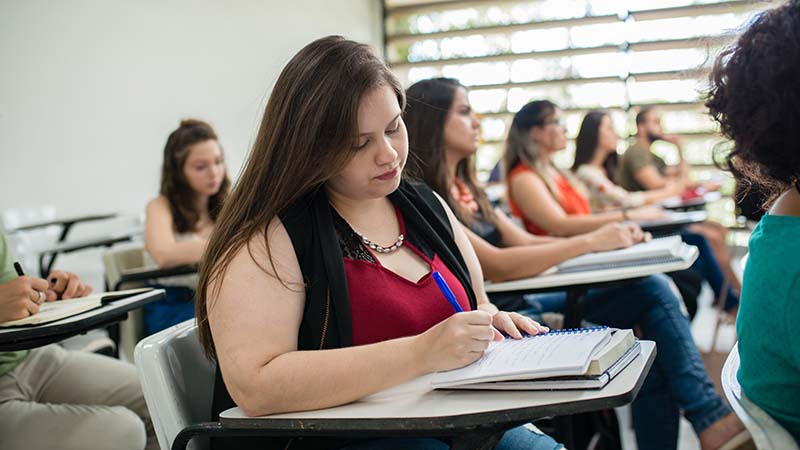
<point>561,383</point>
<point>607,363</point>
<point>52,311</point>
<point>555,354</point>
<point>661,250</point>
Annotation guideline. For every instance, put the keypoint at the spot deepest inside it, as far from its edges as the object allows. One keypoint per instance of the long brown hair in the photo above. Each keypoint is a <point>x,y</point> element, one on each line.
<point>429,102</point>
<point>520,148</point>
<point>307,136</point>
<point>587,140</point>
<point>174,186</point>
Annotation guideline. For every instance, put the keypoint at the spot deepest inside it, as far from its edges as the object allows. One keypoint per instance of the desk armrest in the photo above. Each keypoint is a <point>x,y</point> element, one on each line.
<point>150,273</point>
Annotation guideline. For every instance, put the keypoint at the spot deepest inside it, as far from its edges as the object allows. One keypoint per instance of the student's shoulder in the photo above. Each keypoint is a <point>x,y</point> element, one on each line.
<point>266,251</point>
<point>159,203</point>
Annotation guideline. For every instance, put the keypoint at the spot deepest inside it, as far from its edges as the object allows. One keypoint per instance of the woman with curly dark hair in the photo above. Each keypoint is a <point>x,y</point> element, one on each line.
<point>755,97</point>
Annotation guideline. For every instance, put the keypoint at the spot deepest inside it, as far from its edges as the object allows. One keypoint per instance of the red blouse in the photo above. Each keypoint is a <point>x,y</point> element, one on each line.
<point>571,201</point>
<point>384,305</point>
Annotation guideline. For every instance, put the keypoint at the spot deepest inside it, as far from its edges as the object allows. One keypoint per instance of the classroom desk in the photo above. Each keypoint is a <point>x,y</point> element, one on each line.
<point>145,274</point>
<point>24,338</point>
<point>46,264</point>
<point>65,223</point>
<point>674,222</point>
<point>475,420</point>
<point>698,203</point>
<point>576,284</point>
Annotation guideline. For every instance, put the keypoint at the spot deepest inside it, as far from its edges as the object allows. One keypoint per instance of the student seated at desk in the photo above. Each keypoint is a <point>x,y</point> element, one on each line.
<point>641,170</point>
<point>552,201</point>
<point>443,138</point>
<point>317,288</point>
<point>179,221</point>
<point>764,63</point>
<point>54,398</point>
<point>595,158</point>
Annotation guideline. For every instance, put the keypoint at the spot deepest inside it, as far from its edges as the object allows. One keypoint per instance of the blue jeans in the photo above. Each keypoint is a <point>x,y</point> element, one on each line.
<point>678,380</point>
<point>708,266</point>
<point>520,438</point>
<point>177,306</point>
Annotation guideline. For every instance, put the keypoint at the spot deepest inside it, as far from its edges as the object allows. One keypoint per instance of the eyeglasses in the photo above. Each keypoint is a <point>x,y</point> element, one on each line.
<point>557,122</point>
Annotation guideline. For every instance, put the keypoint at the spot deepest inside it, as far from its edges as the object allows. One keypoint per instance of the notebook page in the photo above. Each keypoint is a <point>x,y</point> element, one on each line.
<point>50,311</point>
<point>548,355</point>
<point>661,247</point>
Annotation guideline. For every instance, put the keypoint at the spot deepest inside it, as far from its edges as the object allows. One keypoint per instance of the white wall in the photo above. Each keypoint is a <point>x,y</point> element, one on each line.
<point>90,89</point>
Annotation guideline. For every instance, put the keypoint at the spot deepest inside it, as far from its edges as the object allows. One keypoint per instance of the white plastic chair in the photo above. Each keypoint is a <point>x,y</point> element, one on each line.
<point>766,432</point>
<point>177,380</point>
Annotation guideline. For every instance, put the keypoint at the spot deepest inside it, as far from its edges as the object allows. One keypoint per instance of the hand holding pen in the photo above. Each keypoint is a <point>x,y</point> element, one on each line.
<point>513,324</point>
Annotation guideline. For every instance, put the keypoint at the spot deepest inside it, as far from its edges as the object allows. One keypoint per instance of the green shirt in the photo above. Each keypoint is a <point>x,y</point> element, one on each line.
<point>767,324</point>
<point>8,360</point>
<point>635,158</point>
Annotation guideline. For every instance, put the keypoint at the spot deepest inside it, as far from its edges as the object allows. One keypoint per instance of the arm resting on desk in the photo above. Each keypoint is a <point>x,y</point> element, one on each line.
<point>511,263</point>
<point>159,238</point>
<point>255,320</point>
<point>539,206</point>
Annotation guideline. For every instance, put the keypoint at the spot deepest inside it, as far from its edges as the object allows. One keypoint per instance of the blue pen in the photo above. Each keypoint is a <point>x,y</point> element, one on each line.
<point>448,294</point>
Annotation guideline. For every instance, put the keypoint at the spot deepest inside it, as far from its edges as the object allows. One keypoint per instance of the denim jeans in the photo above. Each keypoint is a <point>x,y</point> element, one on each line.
<point>708,266</point>
<point>678,380</point>
<point>520,438</point>
<point>176,307</point>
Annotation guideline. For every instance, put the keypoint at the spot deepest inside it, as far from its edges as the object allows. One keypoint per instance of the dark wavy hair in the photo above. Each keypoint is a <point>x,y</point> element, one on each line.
<point>429,102</point>
<point>755,98</point>
<point>586,143</point>
<point>173,181</point>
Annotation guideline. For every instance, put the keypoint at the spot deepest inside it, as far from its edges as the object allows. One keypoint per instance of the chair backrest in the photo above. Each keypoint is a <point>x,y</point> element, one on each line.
<point>767,433</point>
<point>116,260</point>
<point>120,258</point>
<point>177,380</point>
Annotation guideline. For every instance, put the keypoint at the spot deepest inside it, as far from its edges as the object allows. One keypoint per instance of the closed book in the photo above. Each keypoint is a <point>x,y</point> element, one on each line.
<point>621,341</point>
<point>660,250</point>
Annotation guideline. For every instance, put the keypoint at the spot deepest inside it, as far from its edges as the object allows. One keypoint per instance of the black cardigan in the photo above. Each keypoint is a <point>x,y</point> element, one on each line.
<point>326,320</point>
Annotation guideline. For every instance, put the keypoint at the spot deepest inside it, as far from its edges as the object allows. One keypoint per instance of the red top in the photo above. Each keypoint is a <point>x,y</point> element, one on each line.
<point>571,201</point>
<point>384,305</point>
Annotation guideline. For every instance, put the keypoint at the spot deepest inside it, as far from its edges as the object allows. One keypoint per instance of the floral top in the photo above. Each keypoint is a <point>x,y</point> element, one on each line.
<point>604,195</point>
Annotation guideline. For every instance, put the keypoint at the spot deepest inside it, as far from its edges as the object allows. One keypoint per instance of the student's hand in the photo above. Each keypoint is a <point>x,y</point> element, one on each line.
<point>672,139</point>
<point>611,236</point>
<point>456,341</point>
<point>20,297</point>
<point>513,324</point>
<point>644,213</point>
<point>710,186</point>
<point>66,285</point>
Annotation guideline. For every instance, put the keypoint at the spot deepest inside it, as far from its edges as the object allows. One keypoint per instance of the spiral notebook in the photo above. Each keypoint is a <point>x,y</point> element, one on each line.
<point>656,251</point>
<point>555,354</point>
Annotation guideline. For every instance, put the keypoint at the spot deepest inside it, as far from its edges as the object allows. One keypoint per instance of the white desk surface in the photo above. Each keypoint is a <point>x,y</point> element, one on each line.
<point>676,218</point>
<point>595,276</point>
<point>70,323</point>
<point>678,202</point>
<point>95,241</point>
<point>456,405</point>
